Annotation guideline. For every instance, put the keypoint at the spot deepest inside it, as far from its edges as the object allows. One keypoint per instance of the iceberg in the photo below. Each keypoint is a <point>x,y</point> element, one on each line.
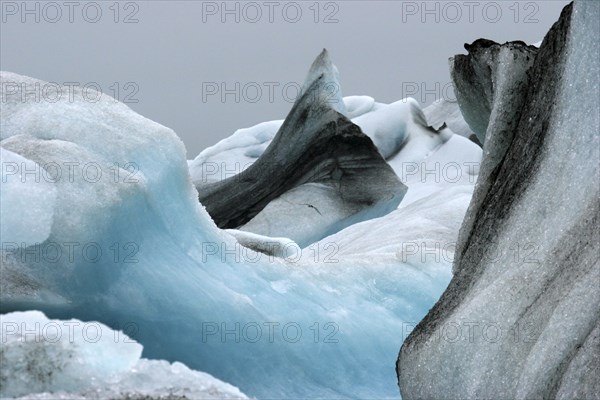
<point>244,184</point>
<point>520,318</point>
<point>72,359</point>
<point>130,245</point>
<point>320,170</point>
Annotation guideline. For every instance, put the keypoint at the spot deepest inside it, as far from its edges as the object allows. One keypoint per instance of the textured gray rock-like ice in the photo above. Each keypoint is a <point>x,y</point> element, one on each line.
<point>490,83</point>
<point>491,86</point>
<point>320,170</point>
<point>521,316</point>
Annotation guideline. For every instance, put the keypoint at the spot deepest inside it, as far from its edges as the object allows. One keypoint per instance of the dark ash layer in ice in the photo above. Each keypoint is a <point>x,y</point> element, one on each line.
<point>520,318</point>
<point>316,145</point>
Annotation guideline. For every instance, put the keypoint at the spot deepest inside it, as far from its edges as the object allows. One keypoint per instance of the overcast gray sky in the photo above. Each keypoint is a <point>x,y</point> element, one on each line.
<point>171,60</point>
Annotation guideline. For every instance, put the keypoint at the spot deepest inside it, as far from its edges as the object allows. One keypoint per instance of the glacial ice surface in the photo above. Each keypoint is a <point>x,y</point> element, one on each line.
<point>22,183</point>
<point>324,321</point>
<point>69,359</point>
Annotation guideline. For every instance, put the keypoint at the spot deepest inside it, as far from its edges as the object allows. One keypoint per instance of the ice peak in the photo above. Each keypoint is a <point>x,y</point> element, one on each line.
<point>329,88</point>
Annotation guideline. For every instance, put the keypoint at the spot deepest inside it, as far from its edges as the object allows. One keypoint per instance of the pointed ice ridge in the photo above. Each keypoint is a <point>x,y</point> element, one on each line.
<point>330,90</point>
<point>316,144</point>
